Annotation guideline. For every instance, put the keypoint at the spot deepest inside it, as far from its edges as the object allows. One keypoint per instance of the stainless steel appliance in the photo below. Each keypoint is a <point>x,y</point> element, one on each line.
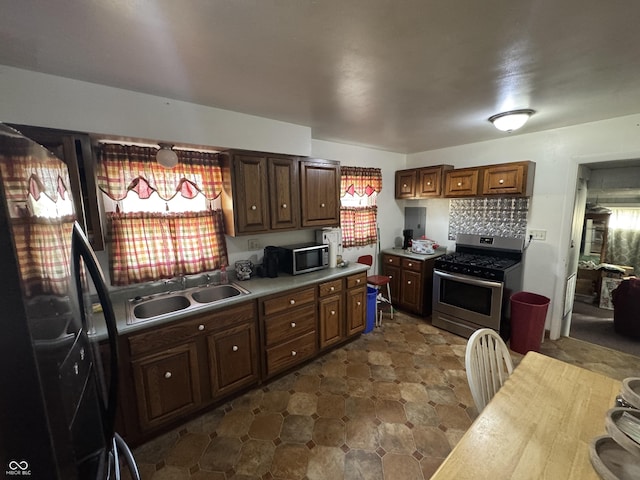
<point>472,287</point>
<point>57,402</point>
<point>303,258</point>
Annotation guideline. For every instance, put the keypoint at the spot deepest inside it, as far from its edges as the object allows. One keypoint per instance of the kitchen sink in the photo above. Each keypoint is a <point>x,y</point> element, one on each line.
<point>160,306</point>
<point>164,304</point>
<point>215,293</point>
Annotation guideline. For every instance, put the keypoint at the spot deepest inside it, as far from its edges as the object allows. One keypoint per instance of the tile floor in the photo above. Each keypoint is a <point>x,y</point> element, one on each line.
<point>389,405</point>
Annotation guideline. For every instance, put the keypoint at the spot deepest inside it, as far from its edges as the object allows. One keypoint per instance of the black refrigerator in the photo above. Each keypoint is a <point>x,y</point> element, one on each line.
<point>58,372</point>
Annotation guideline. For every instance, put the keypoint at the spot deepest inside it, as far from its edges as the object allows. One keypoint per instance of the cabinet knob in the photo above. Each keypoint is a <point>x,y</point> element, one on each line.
<point>428,183</point>
<point>390,277</point>
<point>322,205</point>
<point>293,324</point>
<point>359,303</point>
<point>404,185</point>
<point>333,312</point>
<point>501,181</point>
<point>284,205</point>
<point>358,280</point>
<point>234,348</point>
<point>332,288</point>
<point>409,282</point>
<point>459,184</point>
<point>292,302</point>
<point>410,264</point>
<point>201,327</point>
<point>167,374</point>
<point>253,207</point>
<point>293,353</point>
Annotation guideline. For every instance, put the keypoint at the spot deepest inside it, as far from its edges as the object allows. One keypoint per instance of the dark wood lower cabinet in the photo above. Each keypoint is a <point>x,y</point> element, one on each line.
<point>167,385</point>
<point>411,282</point>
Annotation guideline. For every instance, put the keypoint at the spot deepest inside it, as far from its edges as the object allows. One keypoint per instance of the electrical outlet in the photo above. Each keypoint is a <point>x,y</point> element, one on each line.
<point>538,234</point>
<point>253,244</point>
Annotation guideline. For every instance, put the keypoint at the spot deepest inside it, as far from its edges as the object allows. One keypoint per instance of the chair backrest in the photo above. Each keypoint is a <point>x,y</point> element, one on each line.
<point>488,364</point>
<point>365,259</point>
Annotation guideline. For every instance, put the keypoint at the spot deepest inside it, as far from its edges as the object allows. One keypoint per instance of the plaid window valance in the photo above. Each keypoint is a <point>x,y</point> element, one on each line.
<point>360,180</point>
<point>122,168</point>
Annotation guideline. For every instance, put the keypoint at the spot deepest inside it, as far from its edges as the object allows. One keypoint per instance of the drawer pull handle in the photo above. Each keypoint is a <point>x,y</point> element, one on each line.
<point>201,327</point>
<point>284,205</point>
<point>293,353</point>
<point>332,288</point>
<point>253,207</point>
<point>292,302</point>
<point>501,181</point>
<point>167,375</point>
<point>333,312</point>
<point>234,348</point>
<point>293,324</point>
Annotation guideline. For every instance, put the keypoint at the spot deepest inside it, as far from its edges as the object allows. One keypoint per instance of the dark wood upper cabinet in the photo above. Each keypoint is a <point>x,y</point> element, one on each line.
<point>320,193</point>
<point>260,192</point>
<point>74,149</point>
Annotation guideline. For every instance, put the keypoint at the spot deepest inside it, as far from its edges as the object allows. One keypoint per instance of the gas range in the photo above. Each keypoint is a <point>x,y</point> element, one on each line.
<point>482,256</point>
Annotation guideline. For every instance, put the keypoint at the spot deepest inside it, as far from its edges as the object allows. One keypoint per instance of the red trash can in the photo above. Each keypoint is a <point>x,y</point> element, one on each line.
<point>528,313</point>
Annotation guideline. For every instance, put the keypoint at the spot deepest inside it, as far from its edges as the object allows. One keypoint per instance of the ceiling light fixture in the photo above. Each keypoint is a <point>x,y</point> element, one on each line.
<point>512,120</point>
<point>166,157</point>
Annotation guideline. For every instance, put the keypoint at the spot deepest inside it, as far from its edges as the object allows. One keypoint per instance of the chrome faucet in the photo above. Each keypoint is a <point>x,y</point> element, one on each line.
<point>180,280</point>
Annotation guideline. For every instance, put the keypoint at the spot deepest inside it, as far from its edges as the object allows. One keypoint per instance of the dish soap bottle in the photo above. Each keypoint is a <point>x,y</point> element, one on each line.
<point>224,278</point>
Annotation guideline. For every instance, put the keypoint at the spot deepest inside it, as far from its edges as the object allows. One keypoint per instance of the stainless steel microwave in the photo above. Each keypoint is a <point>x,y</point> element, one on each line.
<point>303,258</point>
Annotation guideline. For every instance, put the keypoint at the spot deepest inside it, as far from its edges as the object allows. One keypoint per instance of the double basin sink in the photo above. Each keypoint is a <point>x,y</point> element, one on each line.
<point>161,304</point>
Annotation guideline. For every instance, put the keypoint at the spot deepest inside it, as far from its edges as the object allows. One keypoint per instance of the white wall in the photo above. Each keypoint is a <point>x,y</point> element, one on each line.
<point>48,101</point>
<point>557,154</point>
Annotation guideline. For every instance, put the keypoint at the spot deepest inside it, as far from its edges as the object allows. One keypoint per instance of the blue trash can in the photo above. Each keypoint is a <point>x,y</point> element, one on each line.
<point>371,309</point>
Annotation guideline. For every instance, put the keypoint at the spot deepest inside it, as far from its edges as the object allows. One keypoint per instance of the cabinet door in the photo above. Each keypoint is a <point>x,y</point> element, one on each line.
<point>405,184</point>
<point>411,291</point>
<point>461,182</point>
<point>233,357</point>
<point>504,179</point>
<point>251,198</point>
<point>393,272</point>
<point>283,193</point>
<point>167,385</point>
<point>320,186</point>
<point>356,310</point>
<point>331,320</point>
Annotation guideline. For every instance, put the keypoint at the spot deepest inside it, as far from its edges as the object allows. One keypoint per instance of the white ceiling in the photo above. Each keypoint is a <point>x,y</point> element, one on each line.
<point>399,75</point>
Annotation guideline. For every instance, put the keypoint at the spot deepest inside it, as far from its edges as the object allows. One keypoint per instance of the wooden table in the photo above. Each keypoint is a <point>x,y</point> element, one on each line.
<point>538,426</point>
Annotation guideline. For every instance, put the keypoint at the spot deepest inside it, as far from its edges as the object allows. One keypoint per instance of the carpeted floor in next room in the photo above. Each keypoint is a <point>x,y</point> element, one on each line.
<point>595,325</point>
<point>389,405</point>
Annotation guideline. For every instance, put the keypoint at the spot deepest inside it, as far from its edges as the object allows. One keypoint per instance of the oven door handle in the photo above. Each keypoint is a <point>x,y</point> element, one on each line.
<point>468,279</point>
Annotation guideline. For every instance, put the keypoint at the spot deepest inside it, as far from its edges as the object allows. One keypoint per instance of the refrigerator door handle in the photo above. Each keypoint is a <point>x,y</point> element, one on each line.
<point>81,248</point>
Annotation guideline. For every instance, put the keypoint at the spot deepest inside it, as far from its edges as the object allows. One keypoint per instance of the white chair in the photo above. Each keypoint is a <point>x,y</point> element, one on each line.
<point>488,364</point>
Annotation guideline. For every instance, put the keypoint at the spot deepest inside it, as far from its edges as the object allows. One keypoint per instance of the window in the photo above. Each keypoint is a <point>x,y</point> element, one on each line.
<point>161,222</point>
<point>358,211</point>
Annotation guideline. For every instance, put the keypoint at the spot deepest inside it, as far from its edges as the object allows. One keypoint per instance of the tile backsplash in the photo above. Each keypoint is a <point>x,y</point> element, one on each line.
<point>503,216</point>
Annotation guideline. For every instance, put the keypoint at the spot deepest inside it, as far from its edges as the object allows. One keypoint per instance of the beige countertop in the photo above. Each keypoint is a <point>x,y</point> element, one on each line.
<point>257,287</point>
<point>415,256</point>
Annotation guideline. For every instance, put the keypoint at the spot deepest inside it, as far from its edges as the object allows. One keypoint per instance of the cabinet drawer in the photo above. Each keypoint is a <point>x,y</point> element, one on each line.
<point>289,325</point>
<point>288,301</point>
<point>357,280</point>
<point>291,353</point>
<point>391,260</point>
<point>329,288</point>
<point>158,338</point>
<point>413,265</point>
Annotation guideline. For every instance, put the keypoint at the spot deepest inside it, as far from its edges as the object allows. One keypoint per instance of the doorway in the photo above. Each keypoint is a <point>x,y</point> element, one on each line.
<point>603,188</point>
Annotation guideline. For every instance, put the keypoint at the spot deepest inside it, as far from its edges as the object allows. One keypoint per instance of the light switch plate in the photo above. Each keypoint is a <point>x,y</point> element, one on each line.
<point>253,244</point>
